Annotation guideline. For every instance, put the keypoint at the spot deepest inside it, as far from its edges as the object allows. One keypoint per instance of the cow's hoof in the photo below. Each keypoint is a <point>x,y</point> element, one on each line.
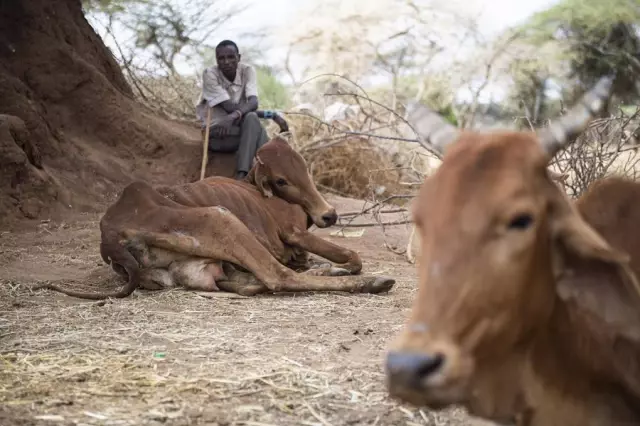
<point>320,265</point>
<point>379,285</point>
<point>338,272</point>
<point>250,291</point>
<point>327,271</point>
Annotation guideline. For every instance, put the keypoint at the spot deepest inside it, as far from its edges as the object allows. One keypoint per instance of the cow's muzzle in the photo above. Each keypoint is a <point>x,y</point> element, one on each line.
<point>411,370</point>
<point>330,218</point>
<point>435,379</point>
<point>325,219</point>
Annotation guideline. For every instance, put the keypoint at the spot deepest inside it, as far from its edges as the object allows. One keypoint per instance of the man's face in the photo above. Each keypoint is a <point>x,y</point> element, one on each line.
<point>227,58</point>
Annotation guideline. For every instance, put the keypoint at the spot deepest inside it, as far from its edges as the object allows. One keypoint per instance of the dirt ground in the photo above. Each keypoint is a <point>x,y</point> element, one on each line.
<point>186,358</point>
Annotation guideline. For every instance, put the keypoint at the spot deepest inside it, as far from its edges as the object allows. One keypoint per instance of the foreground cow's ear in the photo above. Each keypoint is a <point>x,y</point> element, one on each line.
<point>258,177</point>
<point>591,274</point>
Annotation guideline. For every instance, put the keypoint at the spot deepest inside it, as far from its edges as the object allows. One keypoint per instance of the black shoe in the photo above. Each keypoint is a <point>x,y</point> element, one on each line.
<point>241,175</point>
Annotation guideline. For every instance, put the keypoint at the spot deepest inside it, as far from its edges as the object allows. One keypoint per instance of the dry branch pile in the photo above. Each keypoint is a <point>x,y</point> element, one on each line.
<point>347,164</point>
<point>608,147</point>
<point>170,96</point>
<point>354,157</point>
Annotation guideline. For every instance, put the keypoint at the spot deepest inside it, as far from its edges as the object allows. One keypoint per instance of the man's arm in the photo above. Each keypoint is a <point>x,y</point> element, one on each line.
<point>212,91</point>
<point>214,96</point>
<point>250,90</point>
<point>249,106</point>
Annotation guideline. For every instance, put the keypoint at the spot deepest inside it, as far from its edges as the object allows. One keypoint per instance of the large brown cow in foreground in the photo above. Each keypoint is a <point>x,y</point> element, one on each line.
<point>223,234</point>
<point>528,308</point>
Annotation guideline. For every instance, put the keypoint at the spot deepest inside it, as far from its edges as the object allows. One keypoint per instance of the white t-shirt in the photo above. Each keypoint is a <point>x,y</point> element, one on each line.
<point>216,88</point>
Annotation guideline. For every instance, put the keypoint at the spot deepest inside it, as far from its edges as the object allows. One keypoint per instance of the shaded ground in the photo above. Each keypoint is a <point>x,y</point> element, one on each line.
<point>183,358</point>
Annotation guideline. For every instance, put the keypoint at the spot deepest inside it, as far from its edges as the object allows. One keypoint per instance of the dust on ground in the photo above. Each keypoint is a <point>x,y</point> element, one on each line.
<point>185,358</point>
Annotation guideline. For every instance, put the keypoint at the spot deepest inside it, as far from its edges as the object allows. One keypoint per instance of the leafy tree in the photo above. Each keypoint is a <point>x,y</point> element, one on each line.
<point>168,30</point>
<point>107,6</point>
<point>272,93</point>
<point>528,99</point>
<point>596,38</point>
<point>433,90</point>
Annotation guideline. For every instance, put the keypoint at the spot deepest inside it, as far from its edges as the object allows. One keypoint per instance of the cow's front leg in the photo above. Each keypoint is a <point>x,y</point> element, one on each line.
<point>342,257</point>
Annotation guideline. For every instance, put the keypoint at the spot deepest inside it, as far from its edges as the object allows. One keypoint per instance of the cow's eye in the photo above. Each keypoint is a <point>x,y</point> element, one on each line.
<point>281,182</point>
<point>521,221</point>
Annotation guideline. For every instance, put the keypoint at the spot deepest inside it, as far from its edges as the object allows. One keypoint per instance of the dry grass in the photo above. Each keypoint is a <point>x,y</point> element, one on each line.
<point>180,358</point>
<point>172,351</point>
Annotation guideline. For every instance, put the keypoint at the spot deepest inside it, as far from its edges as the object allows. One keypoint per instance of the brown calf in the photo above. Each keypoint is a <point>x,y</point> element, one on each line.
<point>220,233</point>
<point>528,308</point>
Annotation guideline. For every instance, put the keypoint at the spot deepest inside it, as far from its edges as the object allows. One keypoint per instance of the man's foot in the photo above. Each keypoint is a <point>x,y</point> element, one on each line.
<point>241,175</point>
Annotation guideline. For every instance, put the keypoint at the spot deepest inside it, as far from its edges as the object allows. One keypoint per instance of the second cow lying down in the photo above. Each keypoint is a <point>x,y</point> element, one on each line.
<point>222,234</point>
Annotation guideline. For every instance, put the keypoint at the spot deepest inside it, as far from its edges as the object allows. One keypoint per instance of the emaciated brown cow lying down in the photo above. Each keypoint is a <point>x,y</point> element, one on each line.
<point>223,234</point>
<point>528,307</point>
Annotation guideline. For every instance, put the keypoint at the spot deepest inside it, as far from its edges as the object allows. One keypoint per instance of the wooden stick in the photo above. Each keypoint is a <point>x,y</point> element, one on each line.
<point>205,144</point>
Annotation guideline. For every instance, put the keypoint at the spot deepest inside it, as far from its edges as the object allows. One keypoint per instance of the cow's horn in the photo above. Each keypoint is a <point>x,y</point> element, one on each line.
<point>575,121</point>
<point>431,128</point>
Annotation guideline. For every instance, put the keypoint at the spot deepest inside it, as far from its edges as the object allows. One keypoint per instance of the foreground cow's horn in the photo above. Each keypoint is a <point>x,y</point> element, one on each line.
<point>435,132</point>
<point>431,128</point>
<point>575,121</point>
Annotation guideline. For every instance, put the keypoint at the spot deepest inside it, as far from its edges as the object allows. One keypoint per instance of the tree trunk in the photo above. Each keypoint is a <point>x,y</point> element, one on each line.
<point>71,133</point>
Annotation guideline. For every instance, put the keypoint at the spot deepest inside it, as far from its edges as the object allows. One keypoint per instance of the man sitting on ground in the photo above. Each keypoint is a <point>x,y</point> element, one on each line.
<point>230,88</point>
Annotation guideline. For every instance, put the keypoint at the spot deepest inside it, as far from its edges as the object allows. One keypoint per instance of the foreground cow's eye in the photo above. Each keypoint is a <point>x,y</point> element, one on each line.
<point>281,182</point>
<point>521,221</point>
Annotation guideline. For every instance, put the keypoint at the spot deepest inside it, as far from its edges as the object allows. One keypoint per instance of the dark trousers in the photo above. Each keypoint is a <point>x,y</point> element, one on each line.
<point>245,138</point>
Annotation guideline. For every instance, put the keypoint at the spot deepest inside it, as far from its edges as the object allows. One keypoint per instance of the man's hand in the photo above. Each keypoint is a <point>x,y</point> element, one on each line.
<point>284,127</point>
<point>221,129</point>
<point>277,118</point>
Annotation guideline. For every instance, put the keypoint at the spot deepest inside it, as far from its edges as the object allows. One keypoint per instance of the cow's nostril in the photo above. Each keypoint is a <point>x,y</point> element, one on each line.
<point>412,367</point>
<point>330,218</point>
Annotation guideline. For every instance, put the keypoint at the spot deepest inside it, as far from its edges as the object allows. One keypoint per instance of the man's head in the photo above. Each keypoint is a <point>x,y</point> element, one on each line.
<point>227,58</point>
<point>494,231</point>
<point>281,171</point>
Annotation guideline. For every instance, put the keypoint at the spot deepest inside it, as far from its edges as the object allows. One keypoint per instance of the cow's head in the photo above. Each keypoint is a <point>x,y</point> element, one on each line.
<point>280,170</point>
<point>495,233</point>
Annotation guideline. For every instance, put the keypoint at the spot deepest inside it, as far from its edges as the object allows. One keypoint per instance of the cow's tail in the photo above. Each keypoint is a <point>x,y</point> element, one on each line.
<point>122,261</point>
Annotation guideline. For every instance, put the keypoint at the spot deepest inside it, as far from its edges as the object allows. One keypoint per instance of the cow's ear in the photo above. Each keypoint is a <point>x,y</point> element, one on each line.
<point>592,275</point>
<point>258,177</point>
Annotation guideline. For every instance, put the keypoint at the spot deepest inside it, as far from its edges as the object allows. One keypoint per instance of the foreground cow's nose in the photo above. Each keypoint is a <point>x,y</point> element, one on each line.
<point>330,218</point>
<point>410,369</point>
